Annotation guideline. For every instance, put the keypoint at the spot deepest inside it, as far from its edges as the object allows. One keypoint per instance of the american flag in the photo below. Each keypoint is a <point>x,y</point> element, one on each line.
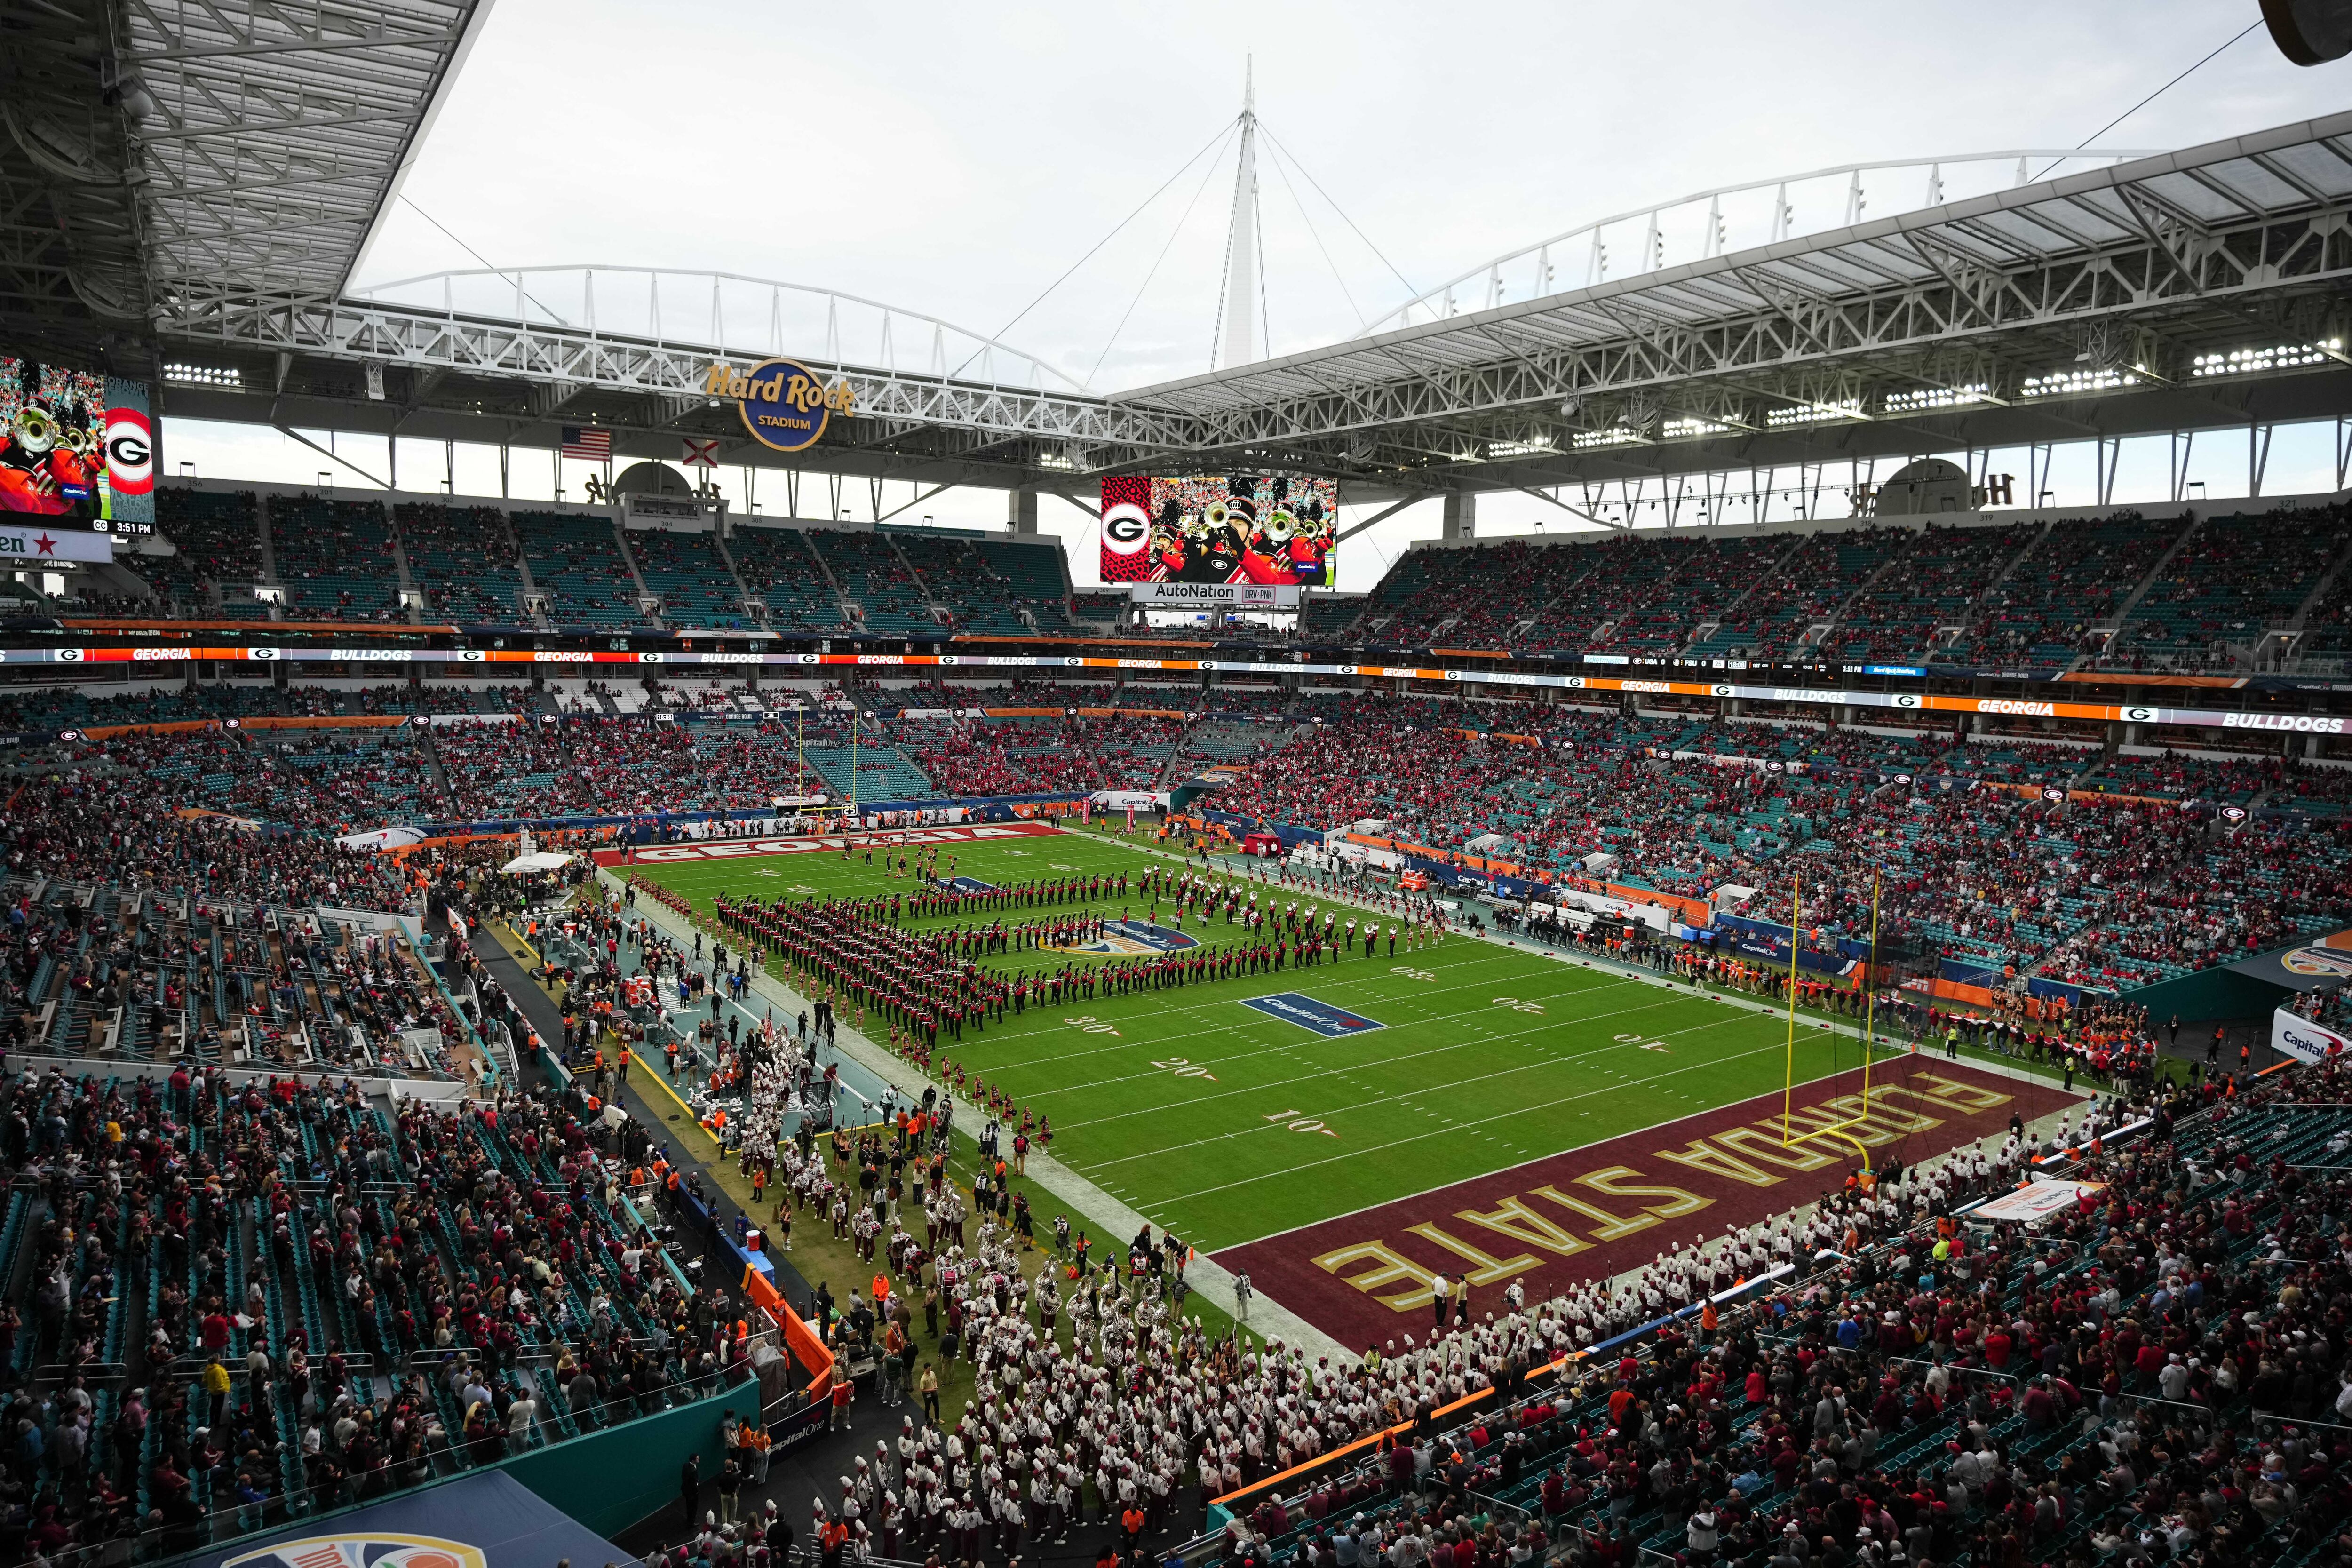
<point>588,442</point>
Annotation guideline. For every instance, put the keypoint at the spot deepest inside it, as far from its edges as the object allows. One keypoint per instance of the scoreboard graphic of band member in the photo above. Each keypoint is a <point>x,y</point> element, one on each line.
<point>1246,528</point>
<point>77,445</point>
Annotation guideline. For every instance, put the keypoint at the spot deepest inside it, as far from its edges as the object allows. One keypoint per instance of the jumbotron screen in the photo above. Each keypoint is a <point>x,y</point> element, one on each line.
<point>1247,527</point>
<point>75,445</point>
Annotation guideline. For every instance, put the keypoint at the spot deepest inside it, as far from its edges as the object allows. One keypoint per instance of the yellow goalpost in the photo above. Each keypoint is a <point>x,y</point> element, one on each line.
<point>1870,1019</point>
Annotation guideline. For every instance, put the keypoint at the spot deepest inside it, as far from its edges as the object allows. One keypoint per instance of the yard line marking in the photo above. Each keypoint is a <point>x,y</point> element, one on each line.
<point>1515,1036</point>
<point>1418,1137</point>
<point>1193,1009</point>
<point>1406,1095</point>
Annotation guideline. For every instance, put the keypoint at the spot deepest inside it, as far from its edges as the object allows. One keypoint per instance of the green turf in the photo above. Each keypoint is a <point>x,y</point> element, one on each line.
<point>1225,1124</point>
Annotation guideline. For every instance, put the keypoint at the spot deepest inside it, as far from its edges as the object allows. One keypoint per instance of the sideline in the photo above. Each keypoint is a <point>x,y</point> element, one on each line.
<point>1267,1318</point>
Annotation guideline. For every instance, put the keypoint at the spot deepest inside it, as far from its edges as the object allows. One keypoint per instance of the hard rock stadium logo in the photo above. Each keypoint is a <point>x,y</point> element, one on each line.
<point>1131,939</point>
<point>785,404</point>
<point>362,1551</point>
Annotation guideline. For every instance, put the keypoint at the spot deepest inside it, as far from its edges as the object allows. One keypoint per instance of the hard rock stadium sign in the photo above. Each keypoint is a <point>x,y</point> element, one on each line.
<point>784,404</point>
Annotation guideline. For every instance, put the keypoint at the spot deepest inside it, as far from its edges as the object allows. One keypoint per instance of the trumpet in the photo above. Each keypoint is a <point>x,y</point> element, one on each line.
<point>34,429</point>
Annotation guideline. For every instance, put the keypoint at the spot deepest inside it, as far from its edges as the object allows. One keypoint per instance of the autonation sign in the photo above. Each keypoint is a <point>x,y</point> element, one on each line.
<point>1215,595</point>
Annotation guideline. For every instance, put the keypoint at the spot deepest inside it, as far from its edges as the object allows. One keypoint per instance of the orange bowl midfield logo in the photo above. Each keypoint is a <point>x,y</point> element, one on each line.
<point>364,1551</point>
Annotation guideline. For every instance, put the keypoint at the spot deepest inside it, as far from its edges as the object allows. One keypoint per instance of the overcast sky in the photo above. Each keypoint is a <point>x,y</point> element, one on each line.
<point>956,159</point>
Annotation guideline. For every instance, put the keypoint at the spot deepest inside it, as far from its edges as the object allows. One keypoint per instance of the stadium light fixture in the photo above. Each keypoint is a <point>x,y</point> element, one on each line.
<point>1616,435</point>
<point>2275,356</point>
<point>1921,399</point>
<point>1685,426</point>
<point>226,376</point>
<point>1531,447</point>
<point>2076,382</point>
<point>1814,413</point>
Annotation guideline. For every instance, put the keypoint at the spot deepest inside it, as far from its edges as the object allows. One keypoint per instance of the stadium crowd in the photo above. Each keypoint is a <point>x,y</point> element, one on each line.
<point>2147,1372</point>
<point>268,1296</point>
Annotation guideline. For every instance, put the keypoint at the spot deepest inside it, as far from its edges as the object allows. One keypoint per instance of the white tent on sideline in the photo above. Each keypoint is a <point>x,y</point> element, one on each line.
<point>538,860</point>
<point>532,858</point>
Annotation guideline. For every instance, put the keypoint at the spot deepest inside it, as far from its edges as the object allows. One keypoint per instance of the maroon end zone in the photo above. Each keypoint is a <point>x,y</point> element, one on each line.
<point>1608,1207</point>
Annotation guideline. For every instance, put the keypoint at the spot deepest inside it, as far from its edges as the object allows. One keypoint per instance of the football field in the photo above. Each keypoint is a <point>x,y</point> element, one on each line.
<point>1240,1108</point>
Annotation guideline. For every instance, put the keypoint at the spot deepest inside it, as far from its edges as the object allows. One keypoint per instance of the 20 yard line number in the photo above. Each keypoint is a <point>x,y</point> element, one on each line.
<point>1304,1125</point>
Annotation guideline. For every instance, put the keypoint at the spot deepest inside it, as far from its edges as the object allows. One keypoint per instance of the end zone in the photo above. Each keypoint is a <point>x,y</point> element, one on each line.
<point>1595,1211</point>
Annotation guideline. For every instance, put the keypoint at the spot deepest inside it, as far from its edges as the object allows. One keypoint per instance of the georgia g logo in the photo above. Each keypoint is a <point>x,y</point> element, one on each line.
<point>1126,528</point>
<point>130,452</point>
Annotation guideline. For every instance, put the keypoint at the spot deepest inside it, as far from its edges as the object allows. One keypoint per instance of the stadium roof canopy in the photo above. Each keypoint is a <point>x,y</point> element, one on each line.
<point>168,161</point>
<point>189,190</point>
<point>2187,291</point>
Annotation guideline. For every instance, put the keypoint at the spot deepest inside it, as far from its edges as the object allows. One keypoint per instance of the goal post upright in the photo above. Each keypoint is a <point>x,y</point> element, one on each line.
<point>1789,1077</point>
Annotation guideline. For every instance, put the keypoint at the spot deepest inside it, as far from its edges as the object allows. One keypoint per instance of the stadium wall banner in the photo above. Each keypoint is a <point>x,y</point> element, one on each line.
<point>35,546</point>
<point>1776,933</point>
<point>1990,980</point>
<point>2297,1037</point>
<point>1566,898</point>
<point>76,446</point>
<point>1215,595</point>
<point>1345,847</point>
<point>1065,664</point>
<point>1512,881</point>
<point>1774,953</point>
<point>2036,1201</point>
<point>1277,530</point>
<point>1129,799</point>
